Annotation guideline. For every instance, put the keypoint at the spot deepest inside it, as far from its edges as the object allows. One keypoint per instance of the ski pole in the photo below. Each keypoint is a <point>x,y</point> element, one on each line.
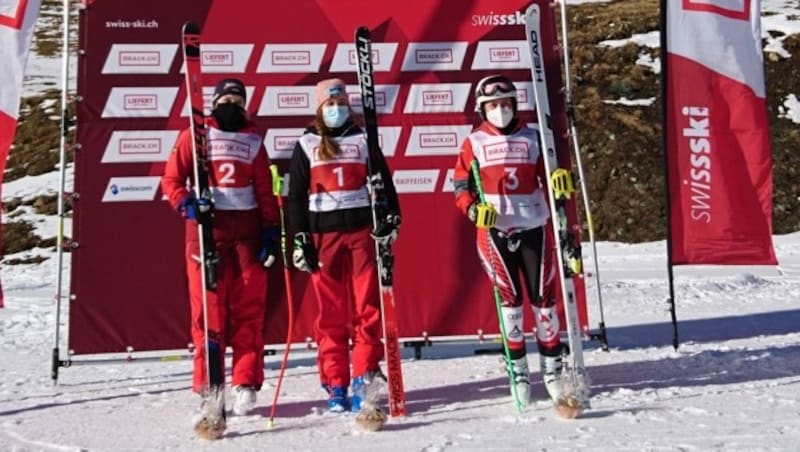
<point>573,132</point>
<point>277,189</point>
<point>476,174</point>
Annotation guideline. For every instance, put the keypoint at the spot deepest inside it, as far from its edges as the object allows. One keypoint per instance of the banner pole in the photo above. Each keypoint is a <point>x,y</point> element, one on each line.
<point>667,201</point>
<point>65,124</point>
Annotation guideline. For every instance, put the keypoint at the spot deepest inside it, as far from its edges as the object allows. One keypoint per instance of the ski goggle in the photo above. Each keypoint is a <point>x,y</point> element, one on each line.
<point>492,88</point>
<point>336,90</point>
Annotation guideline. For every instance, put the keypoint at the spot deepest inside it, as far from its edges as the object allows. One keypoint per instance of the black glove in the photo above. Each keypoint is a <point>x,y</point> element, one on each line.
<point>269,247</point>
<point>386,230</point>
<point>304,255</point>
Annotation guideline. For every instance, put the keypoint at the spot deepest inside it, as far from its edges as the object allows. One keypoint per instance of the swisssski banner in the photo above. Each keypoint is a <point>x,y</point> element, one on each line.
<point>17,19</point>
<point>128,277</point>
<point>718,150</point>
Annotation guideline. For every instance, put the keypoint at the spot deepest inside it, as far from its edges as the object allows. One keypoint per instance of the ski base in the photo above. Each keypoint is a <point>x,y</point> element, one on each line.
<point>397,398</point>
<point>211,423</point>
<point>568,408</point>
<point>576,394</point>
<point>371,418</point>
<point>567,247</point>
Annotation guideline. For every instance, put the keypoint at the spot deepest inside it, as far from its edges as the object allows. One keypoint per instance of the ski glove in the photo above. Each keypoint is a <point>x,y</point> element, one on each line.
<point>385,232</point>
<point>305,255</point>
<point>191,207</point>
<point>269,246</point>
<point>483,214</point>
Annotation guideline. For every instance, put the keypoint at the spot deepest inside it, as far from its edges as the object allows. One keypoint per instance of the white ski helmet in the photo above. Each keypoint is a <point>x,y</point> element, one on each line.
<point>494,87</point>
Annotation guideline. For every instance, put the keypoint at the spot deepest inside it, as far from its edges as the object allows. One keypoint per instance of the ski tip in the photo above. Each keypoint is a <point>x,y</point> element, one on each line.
<point>363,31</point>
<point>191,27</point>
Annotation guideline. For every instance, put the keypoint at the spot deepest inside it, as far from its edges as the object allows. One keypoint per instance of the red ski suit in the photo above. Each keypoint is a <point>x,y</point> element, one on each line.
<point>512,172</point>
<point>244,206</point>
<point>329,199</point>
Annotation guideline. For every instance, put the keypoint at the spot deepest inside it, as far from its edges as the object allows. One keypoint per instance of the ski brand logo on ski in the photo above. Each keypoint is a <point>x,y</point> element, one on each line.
<point>575,397</point>
<point>365,72</point>
<point>397,405</point>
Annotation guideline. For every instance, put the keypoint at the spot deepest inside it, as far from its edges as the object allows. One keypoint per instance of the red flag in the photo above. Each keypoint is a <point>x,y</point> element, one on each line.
<point>17,18</point>
<point>718,152</point>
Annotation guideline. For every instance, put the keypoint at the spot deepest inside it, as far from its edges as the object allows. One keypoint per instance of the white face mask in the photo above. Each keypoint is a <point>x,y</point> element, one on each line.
<point>335,115</point>
<point>500,116</point>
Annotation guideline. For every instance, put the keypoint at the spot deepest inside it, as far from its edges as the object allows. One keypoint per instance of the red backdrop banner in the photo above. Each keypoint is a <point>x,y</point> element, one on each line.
<point>719,160</point>
<point>128,276</point>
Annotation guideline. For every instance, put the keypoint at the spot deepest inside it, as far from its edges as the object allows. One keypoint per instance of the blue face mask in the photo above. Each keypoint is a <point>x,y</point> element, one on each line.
<point>335,115</point>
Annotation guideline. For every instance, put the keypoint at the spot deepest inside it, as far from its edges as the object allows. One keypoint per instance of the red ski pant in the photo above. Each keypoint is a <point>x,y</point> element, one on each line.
<point>346,287</point>
<point>235,312</point>
<point>507,257</point>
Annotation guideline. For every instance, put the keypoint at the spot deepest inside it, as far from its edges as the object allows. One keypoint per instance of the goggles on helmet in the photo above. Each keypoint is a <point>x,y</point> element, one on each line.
<point>493,88</point>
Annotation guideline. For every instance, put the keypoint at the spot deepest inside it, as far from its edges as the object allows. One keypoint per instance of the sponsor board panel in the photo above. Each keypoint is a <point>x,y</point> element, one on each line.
<point>436,140</point>
<point>416,181</point>
<point>437,98</point>
<point>434,56</point>
<point>129,146</point>
<point>290,58</point>
<point>501,55</point>
<point>385,98</point>
<point>125,189</point>
<point>139,59</point>
<point>345,59</point>
<point>140,102</point>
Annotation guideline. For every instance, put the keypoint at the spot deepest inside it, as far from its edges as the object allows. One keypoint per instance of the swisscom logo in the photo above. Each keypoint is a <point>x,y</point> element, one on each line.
<point>494,20</point>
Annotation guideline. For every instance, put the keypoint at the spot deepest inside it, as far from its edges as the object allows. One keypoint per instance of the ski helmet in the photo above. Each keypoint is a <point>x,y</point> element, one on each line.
<point>494,87</point>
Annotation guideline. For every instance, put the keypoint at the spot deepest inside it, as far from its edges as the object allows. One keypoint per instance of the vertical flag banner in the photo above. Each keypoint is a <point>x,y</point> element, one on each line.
<point>719,165</point>
<point>17,19</point>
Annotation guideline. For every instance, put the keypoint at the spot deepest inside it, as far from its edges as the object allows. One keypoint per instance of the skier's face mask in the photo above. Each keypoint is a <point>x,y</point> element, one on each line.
<point>335,115</point>
<point>500,116</point>
<point>230,116</point>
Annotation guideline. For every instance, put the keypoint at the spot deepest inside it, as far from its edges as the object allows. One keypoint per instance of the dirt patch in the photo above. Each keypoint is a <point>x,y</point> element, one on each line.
<point>622,144</point>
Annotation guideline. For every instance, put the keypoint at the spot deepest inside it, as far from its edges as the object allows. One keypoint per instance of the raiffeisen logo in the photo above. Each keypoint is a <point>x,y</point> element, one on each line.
<point>494,20</point>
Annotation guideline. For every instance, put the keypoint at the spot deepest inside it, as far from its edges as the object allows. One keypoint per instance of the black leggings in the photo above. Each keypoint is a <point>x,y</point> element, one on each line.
<point>511,256</point>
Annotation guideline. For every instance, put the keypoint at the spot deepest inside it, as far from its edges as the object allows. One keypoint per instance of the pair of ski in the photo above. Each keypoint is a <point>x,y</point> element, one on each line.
<point>212,424</point>
<point>568,258</point>
<point>560,192</point>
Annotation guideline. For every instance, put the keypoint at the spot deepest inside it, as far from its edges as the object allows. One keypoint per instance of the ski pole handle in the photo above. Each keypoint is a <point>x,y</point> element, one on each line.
<point>277,183</point>
<point>485,213</point>
<point>476,174</point>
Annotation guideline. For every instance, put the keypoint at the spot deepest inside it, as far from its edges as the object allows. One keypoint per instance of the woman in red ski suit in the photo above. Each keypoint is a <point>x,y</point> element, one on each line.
<point>245,227</point>
<point>330,213</point>
<point>514,182</point>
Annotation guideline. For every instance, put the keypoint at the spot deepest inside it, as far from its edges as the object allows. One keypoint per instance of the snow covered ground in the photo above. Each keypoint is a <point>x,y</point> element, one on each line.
<point>731,385</point>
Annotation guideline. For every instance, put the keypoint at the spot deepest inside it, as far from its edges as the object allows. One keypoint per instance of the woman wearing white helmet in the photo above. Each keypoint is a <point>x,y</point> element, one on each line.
<point>515,213</point>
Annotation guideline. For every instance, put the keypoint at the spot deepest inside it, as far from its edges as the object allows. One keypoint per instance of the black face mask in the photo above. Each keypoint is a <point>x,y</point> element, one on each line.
<point>230,117</point>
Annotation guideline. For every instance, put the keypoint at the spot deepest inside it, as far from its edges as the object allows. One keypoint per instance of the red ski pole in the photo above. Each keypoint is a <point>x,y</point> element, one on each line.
<point>277,189</point>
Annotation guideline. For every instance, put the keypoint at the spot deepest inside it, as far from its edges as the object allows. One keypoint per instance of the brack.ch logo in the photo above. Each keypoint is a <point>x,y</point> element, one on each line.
<point>291,58</point>
<point>432,56</point>
<point>139,58</point>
